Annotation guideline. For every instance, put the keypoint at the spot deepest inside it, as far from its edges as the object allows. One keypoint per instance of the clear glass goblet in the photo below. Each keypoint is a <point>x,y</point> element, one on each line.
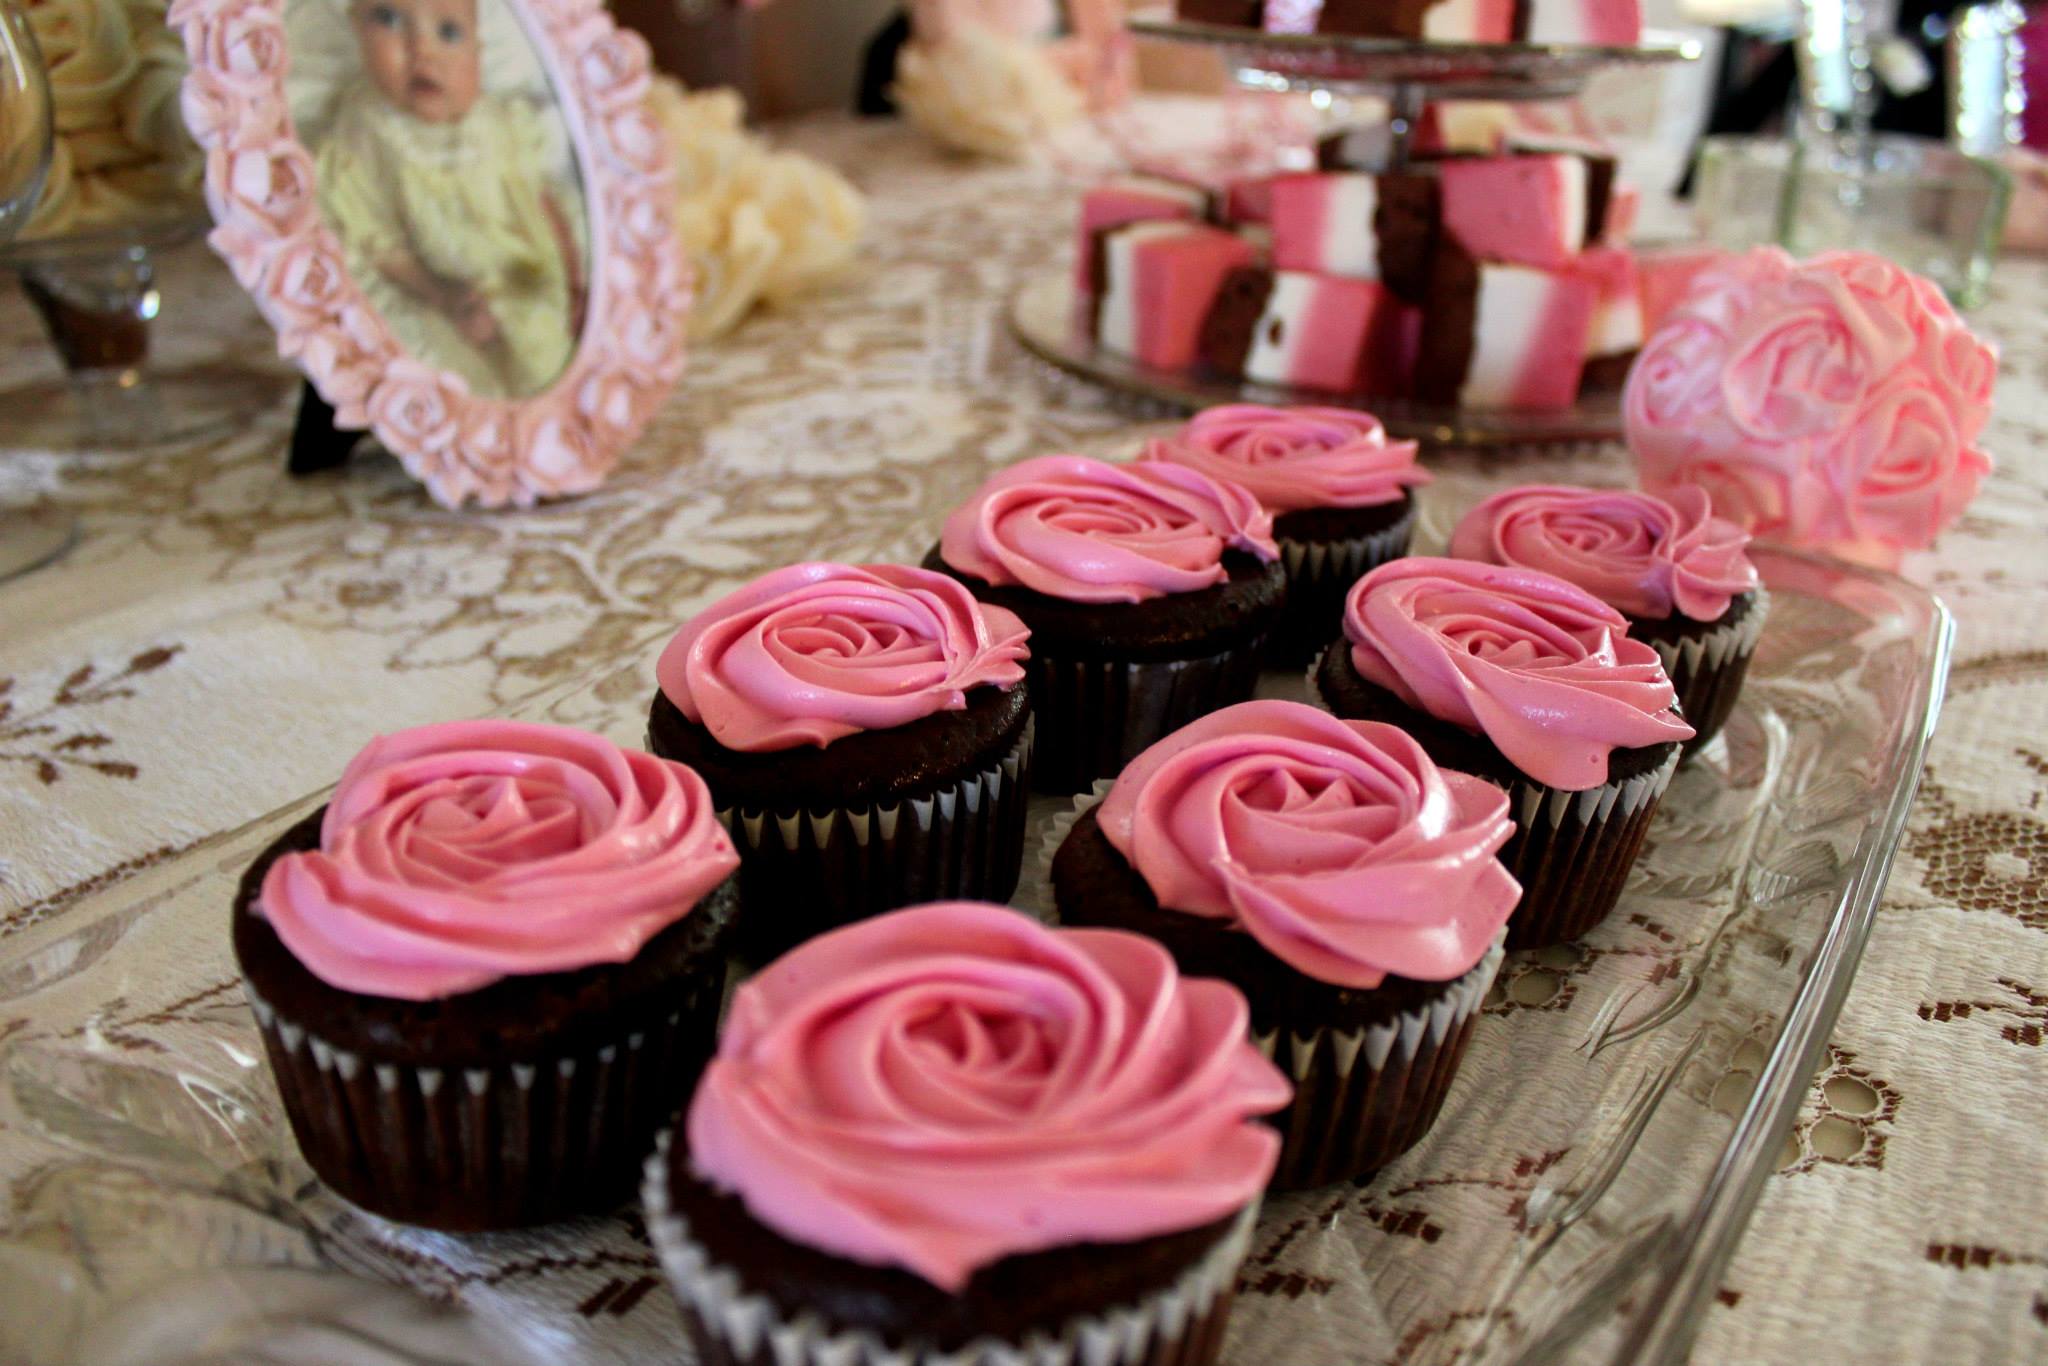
<point>34,535</point>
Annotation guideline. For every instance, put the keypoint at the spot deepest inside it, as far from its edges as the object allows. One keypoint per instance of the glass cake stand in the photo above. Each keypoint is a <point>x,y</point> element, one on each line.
<point>1340,66</point>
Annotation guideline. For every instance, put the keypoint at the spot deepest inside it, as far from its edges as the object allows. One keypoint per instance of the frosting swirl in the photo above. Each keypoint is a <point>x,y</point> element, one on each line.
<point>1338,845</point>
<point>816,652</point>
<point>454,855</point>
<point>1295,458</point>
<point>943,1087</point>
<point>1088,531</point>
<point>1542,668</point>
<point>1645,555</point>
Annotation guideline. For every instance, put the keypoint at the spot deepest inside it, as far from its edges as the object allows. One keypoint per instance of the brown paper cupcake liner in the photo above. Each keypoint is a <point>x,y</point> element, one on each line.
<point>1319,574</point>
<point>1362,1097</point>
<point>1708,670</point>
<point>504,1146</point>
<point>1097,716</point>
<point>732,1325</point>
<point>805,872</point>
<point>1572,852</point>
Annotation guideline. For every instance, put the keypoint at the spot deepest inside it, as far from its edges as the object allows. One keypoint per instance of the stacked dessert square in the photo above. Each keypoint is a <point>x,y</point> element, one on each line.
<point>1491,272</point>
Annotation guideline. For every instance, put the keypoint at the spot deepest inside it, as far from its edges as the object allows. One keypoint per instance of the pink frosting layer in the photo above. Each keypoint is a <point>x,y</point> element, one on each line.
<point>943,1087</point>
<point>1543,668</point>
<point>1647,556</point>
<point>1338,845</point>
<point>1088,531</point>
<point>454,855</point>
<point>1834,403</point>
<point>1294,458</point>
<point>816,652</point>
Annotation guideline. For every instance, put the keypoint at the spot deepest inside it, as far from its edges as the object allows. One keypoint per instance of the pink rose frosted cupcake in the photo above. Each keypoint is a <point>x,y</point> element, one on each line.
<point>1339,492</point>
<point>1533,684</point>
<point>489,969</point>
<point>1679,574</point>
<point>866,738</point>
<point>1334,874</point>
<point>951,1134</point>
<point>1150,591</point>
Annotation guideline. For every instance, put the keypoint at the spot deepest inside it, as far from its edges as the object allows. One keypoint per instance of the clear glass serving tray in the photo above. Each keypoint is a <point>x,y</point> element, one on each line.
<point>1338,61</point>
<point>1621,1103</point>
<point>1042,319</point>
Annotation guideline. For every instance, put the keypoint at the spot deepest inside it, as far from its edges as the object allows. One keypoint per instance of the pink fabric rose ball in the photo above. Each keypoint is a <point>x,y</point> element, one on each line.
<point>1834,403</point>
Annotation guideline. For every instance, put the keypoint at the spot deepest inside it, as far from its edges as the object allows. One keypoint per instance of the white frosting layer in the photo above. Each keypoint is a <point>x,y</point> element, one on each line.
<point>1271,361</point>
<point>1507,323</point>
<point>1350,244</point>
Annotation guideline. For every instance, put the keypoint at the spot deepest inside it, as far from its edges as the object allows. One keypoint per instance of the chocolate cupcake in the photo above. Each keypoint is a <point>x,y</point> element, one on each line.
<point>1048,1147</point>
<point>1150,591</point>
<point>1338,491</point>
<point>1677,572</point>
<point>1532,683</point>
<point>865,737</point>
<point>489,969</point>
<point>1335,875</point>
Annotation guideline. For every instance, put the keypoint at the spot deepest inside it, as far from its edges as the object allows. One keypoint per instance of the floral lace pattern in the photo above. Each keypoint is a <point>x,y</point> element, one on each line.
<point>307,615</point>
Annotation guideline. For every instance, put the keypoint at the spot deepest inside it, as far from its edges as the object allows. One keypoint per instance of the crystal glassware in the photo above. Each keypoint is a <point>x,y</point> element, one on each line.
<point>29,536</point>
<point>1924,204</point>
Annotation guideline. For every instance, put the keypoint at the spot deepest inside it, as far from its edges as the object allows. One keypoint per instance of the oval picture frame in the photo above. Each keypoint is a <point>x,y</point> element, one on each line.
<point>465,447</point>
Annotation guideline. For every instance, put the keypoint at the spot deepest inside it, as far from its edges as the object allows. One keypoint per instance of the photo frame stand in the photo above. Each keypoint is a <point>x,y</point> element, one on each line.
<point>317,443</point>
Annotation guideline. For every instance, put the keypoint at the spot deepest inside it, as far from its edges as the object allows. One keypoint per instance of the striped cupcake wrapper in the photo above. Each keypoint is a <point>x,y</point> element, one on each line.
<point>1572,852</point>
<point>1319,574</point>
<point>1362,1097</point>
<point>1708,671</point>
<point>732,1325</point>
<point>805,872</point>
<point>505,1146</point>
<point>1097,716</point>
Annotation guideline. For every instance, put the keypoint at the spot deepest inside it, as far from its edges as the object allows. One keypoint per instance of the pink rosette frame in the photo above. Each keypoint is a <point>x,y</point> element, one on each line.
<point>463,447</point>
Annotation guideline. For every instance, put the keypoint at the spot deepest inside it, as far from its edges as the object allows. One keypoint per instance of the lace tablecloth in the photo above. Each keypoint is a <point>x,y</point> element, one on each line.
<point>223,638</point>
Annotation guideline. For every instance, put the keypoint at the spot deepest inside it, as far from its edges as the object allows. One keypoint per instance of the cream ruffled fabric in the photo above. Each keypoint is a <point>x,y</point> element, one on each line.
<point>760,226</point>
<point>983,91</point>
<point>121,152</point>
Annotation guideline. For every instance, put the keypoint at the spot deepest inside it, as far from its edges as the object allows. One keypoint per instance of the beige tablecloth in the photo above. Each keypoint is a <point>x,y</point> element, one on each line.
<point>223,638</point>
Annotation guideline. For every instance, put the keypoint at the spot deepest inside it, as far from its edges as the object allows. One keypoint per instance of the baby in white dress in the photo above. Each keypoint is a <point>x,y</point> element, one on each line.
<point>443,197</point>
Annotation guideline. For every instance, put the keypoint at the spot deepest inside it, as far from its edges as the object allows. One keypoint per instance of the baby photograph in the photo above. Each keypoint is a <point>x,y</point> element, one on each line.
<point>445,168</point>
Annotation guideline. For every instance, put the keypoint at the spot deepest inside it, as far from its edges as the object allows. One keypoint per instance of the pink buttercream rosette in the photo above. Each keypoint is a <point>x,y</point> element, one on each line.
<point>813,653</point>
<point>1338,845</point>
<point>1834,403</point>
<point>1295,458</point>
<point>940,1088</point>
<point>455,855</point>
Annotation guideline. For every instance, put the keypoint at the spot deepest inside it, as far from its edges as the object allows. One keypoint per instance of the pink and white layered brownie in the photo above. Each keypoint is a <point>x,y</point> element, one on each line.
<point>1503,336</point>
<point>1249,200</point>
<point>1473,21</point>
<point>1667,277</point>
<point>1624,210</point>
<point>1462,128</point>
<point>1601,169</point>
<point>1526,210</point>
<point>1616,332</point>
<point>1305,331</point>
<point>1131,199</point>
<point>1596,23</point>
<point>1159,280</point>
<point>1364,227</point>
